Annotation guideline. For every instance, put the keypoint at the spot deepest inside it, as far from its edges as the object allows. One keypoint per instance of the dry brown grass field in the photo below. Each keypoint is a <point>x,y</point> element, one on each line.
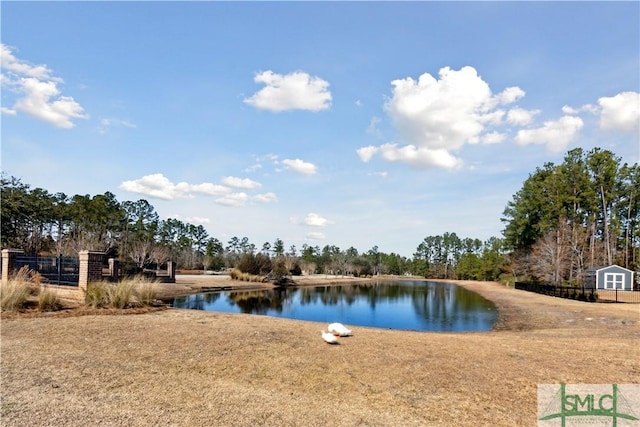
<point>174,367</point>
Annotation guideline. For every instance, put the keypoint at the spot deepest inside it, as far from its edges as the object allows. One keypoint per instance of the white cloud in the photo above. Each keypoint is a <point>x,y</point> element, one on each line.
<point>493,138</point>
<point>8,111</point>
<point>197,220</point>
<point>233,199</point>
<point>367,153</point>
<point>294,220</point>
<point>587,108</point>
<point>382,174</point>
<point>492,117</point>
<point>191,219</point>
<point>253,168</point>
<point>155,185</point>
<point>556,135</point>
<point>372,129</point>
<point>205,188</point>
<point>272,157</point>
<point>521,117</point>
<point>419,156</point>
<point>107,124</point>
<point>265,198</point>
<point>294,91</point>
<point>315,220</point>
<point>315,235</point>
<point>437,116</point>
<point>263,158</point>
<point>38,93</point>
<point>19,67</point>
<point>620,112</point>
<point>570,110</point>
<point>509,95</point>
<point>439,113</point>
<point>300,166</point>
<point>160,187</point>
<point>246,183</point>
<point>42,100</point>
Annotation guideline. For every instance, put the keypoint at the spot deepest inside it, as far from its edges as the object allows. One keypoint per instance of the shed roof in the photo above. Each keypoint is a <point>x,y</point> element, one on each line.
<point>596,269</point>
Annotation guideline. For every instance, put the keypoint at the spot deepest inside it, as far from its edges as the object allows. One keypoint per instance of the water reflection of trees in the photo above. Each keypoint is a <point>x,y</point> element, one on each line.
<point>448,303</point>
<point>348,294</point>
<point>196,302</point>
<point>260,302</point>
<point>431,301</point>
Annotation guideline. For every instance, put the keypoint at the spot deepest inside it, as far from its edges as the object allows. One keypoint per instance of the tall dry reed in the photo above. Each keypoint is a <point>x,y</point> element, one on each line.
<point>128,293</point>
<point>48,300</point>
<point>15,293</point>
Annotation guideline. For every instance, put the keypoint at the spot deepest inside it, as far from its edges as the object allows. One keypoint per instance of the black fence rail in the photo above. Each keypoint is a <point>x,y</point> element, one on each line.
<point>618,295</point>
<point>581,293</point>
<point>577,293</point>
<point>58,270</point>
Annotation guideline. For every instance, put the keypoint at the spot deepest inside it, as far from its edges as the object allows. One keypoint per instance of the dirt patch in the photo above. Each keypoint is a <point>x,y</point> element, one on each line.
<point>192,368</point>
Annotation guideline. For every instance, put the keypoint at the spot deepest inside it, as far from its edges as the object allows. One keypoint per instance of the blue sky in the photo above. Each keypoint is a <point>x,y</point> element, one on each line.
<point>325,123</point>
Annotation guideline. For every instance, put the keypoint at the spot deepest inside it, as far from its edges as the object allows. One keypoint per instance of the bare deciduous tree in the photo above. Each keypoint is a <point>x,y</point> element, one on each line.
<point>550,257</point>
<point>159,254</point>
<point>139,252</point>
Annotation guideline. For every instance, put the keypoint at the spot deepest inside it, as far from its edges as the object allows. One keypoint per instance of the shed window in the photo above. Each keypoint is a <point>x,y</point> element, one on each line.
<point>614,281</point>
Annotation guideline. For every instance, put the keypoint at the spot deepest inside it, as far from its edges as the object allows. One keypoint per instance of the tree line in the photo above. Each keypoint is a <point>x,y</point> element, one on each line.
<point>565,219</point>
<point>571,217</point>
<point>40,222</point>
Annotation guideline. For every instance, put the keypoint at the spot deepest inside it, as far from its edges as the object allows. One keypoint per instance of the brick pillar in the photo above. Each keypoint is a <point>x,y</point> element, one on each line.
<point>114,266</point>
<point>90,269</point>
<point>8,259</point>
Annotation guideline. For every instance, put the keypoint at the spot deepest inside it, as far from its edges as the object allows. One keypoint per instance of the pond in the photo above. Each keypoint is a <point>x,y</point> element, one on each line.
<point>405,305</point>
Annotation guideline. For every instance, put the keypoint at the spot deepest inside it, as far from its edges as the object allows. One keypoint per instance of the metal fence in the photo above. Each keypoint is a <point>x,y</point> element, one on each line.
<point>618,295</point>
<point>52,269</point>
<point>581,293</point>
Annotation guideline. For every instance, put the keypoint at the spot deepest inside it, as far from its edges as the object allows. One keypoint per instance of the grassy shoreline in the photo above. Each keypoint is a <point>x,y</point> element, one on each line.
<point>193,368</point>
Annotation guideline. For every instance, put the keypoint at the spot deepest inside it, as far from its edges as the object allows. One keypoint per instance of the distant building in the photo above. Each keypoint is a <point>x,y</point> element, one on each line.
<point>609,278</point>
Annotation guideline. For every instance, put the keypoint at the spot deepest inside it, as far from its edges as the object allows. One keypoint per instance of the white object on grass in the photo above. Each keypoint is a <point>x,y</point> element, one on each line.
<point>329,337</point>
<point>339,329</point>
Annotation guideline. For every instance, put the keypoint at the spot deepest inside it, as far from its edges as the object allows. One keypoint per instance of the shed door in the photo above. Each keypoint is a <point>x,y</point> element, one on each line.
<point>614,281</point>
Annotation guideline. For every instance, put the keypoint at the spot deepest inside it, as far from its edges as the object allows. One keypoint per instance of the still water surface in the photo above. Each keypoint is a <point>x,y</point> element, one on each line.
<point>405,305</point>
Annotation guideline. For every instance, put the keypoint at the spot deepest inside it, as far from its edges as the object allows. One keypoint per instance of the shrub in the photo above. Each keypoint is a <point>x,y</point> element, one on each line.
<point>121,295</point>
<point>14,295</point>
<point>127,293</point>
<point>145,291</point>
<point>254,264</point>
<point>16,292</point>
<point>48,300</point>
<point>96,295</point>
<point>279,270</point>
<point>245,277</point>
<point>296,270</point>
